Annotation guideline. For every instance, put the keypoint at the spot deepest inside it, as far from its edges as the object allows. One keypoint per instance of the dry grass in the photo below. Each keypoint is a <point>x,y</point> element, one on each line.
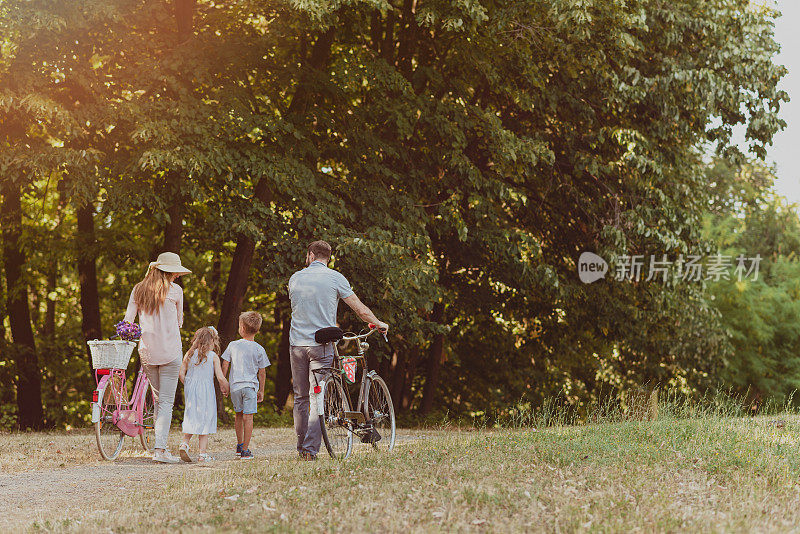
<point>705,474</point>
<point>31,451</point>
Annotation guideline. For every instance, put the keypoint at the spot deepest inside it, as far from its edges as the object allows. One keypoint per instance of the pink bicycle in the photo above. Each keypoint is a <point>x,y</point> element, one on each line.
<point>115,414</point>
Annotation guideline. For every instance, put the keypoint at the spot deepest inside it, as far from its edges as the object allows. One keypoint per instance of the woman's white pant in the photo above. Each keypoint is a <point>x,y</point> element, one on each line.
<point>164,381</point>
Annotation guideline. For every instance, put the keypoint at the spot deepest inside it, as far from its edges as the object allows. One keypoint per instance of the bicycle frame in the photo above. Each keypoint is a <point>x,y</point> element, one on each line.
<point>366,378</point>
<point>128,415</point>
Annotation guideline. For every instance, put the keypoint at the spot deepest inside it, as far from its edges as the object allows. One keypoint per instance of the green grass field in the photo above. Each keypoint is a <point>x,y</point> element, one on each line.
<point>695,474</point>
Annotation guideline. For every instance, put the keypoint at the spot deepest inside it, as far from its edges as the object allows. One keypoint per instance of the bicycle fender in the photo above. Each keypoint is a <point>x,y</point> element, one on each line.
<point>319,400</point>
<point>101,389</point>
<point>372,374</point>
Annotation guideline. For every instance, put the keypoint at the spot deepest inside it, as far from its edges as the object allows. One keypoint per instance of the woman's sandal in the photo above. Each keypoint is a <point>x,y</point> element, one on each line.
<point>184,452</point>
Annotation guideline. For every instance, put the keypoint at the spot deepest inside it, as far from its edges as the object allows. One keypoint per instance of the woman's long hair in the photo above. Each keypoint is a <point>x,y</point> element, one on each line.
<point>150,293</point>
<point>205,339</point>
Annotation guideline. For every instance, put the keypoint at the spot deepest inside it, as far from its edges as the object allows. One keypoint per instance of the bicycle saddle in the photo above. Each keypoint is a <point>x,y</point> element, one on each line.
<point>328,335</point>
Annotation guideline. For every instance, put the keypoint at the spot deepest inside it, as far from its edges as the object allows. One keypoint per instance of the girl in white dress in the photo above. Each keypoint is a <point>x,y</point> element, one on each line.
<point>198,368</point>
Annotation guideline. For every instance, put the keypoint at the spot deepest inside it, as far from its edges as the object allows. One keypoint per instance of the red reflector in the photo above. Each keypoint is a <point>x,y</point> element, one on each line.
<point>102,372</point>
<point>94,396</point>
<point>317,390</point>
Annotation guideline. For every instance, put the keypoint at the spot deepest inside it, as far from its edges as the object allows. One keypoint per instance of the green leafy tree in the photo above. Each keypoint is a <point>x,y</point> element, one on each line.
<point>458,155</point>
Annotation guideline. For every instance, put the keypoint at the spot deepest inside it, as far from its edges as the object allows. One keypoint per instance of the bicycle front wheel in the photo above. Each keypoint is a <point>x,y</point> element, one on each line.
<point>109,436</point>
<point>380,411</point>
<point>148,435</point>
<point>338,439</point>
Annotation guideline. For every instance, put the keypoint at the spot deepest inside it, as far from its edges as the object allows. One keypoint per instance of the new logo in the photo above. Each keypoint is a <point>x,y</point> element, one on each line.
<point>591,267</point>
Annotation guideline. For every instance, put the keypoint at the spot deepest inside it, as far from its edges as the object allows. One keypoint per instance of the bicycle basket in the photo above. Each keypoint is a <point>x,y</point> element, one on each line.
<point>113,354</point>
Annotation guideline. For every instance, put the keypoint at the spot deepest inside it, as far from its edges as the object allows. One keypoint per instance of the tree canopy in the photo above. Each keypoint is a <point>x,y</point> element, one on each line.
<point>458,154</point>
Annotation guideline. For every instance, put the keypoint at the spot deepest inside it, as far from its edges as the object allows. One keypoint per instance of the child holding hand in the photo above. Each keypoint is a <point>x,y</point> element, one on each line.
<point>198,368</point>
<point>248,362</point>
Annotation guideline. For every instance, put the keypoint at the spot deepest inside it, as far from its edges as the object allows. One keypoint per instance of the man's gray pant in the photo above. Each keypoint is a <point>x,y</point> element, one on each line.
<point>306,418</point>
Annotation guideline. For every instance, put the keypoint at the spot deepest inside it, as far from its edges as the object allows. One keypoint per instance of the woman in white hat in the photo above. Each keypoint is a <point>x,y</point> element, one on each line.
<point>158,301</point>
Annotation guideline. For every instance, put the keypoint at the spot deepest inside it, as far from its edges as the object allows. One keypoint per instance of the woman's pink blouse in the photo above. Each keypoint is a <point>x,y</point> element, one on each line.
<point>161,336</point>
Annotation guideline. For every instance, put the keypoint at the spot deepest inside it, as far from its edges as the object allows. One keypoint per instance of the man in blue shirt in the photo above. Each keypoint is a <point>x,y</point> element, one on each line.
<point>314,293</point>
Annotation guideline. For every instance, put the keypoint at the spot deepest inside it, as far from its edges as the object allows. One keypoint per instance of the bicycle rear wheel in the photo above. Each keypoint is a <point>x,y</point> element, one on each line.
<point>380,411</point>
<point>338,439</point>
<point>109,436</point>
<point>148,435</point>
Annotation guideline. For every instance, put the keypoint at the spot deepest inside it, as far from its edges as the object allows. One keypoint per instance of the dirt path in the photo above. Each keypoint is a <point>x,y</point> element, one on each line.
<point>31,496</point>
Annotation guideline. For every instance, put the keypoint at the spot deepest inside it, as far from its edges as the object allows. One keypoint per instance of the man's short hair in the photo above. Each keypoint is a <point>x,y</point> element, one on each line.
<point>320,249</point>
<point>250,321</point>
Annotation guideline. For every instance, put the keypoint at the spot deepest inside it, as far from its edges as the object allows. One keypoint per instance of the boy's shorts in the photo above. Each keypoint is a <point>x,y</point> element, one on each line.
<point>244,400</point>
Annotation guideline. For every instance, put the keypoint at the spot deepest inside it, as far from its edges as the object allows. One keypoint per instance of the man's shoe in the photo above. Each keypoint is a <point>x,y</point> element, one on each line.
<point>373,436</point>
<point>239,449</point>
<point>246,455</point>
<point>307,456</point>
<point>165,457</point>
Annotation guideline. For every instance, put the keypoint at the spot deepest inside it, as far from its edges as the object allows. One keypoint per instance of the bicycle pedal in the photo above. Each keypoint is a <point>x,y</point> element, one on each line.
<point>355,416</point>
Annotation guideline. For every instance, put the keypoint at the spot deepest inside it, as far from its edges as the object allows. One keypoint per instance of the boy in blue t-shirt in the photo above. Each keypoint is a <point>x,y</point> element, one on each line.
<point>248,364</point>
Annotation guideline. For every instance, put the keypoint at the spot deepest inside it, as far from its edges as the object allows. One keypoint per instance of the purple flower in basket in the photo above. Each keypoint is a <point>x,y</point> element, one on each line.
<point>128,331</point>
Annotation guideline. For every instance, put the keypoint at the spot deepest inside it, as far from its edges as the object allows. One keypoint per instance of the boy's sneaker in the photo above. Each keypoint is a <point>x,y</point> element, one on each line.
<point>184,452</point>
<point>239,449</point>
<point>246,455</point>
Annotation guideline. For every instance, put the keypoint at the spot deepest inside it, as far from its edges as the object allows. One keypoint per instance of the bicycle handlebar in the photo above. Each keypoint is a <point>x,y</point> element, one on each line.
<point>373,326</point>
<point>359,336</point>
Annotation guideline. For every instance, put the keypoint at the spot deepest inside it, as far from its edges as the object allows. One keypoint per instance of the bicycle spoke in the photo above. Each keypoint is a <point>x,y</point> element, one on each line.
<point>334,427</point>
<point>381,415</point>
<point>148,420</point>
<point>109,437</point>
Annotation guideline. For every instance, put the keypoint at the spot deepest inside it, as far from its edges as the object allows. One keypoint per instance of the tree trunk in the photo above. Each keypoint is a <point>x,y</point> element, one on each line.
<point>398,379</point>
<point>216,277</point>
<point>434,363</point>
<point>49,327</point>
<point>87,274</point>
<point>373,362</point>
<point>407,396</point>
<point>320,53</point>
<point>173,229</point>
<point>33,306</point>
<point>408,34</point>
<point>29,387</point>
<point>3,313</point>
<point>184,15</point>
<point>385,367</point>
<point>283,375</point>
<point>235,290</point>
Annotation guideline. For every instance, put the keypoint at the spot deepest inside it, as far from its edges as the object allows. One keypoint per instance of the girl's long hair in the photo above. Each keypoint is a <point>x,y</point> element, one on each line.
<point>205,339</point>
<point>150,294</point>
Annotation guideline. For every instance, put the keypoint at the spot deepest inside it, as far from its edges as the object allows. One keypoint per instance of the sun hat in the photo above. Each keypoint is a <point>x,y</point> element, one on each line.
<point>169,262</point>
